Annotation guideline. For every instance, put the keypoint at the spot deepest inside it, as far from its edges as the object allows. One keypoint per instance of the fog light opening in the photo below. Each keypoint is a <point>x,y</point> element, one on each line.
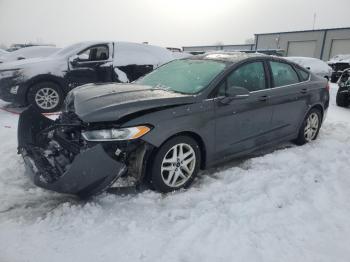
<point>14,90</point>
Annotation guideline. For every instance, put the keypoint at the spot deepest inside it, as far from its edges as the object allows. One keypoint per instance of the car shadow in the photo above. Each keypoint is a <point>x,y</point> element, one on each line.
<point>212,172</point>
<point>242,161</point>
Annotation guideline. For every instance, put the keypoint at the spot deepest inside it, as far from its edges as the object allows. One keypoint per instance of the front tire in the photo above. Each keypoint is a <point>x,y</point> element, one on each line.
<point>310,128</point>
<point>343,99</point>
<point>175,164</point>
<point>46,97</point>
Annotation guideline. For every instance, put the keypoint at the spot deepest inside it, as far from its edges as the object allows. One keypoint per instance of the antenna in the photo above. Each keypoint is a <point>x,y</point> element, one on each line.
<point>313,25</point>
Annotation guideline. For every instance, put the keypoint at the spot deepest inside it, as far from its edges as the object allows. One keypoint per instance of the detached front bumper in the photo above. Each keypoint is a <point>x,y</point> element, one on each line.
<point>91,172</point>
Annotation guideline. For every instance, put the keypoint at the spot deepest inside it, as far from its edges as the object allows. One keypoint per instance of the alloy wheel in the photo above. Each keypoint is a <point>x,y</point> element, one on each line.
<point>47,98</point>
<point>178,165</point>
<point>311,128</point>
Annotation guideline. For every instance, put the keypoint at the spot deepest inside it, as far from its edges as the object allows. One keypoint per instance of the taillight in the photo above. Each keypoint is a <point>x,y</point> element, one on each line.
<point>327,86</point>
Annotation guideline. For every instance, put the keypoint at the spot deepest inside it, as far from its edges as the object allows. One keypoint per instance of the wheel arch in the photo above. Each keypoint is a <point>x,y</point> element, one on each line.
<point>193,135</point>
<point>46,78</point>
<point>200,142</point>
<point>319,107</point>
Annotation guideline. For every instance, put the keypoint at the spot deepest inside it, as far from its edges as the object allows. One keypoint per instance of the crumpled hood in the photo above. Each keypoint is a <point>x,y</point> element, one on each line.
<point>111,102</point>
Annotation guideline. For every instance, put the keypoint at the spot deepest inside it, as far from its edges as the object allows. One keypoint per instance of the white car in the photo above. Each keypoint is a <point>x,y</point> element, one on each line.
<point>24,82</point>
<point>3,52</point>
<point>316,66</point>
<point>28,52</point>
<point>339,64</point>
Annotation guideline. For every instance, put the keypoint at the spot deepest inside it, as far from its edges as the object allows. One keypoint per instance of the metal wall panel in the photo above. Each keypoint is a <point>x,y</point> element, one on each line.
<point>340,46</point>
<point>301,48</point>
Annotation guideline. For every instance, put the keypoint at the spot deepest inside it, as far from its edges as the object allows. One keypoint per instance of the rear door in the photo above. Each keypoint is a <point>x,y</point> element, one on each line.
<point>289,97</point>
<point>246,123</point>
<point>91,65</point>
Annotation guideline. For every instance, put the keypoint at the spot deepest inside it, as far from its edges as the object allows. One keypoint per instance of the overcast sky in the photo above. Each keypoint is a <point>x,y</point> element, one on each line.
<point>173,23</point>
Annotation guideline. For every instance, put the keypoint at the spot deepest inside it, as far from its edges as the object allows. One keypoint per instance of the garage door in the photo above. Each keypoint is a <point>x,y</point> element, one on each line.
<point>301,48</point>
<point>340,46</point>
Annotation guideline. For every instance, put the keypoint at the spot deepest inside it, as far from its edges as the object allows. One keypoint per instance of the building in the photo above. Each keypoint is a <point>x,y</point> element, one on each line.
<point>322,43</point>
<point>242,47</point>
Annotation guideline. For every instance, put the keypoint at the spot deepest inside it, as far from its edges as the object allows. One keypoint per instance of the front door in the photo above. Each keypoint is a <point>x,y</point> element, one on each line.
<point>91,65</point>
<point>245,123</point>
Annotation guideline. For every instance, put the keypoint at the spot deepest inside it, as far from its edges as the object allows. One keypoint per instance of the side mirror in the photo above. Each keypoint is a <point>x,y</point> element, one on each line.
<point>234,93</point>
<point>74,59</point>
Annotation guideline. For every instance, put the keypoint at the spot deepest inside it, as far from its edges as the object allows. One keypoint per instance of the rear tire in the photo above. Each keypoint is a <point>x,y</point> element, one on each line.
<point>310,127</point>
<point>175,164</point>
<point>343,99</point>
<point>46,97</point>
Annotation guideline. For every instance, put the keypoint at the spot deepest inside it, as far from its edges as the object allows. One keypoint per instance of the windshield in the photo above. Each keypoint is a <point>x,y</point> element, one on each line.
<point>185,76</point>
<point>69,50</point>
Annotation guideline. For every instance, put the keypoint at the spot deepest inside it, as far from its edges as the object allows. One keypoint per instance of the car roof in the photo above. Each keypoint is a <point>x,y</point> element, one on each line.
<point>303,58</point>
<point>228,57</point>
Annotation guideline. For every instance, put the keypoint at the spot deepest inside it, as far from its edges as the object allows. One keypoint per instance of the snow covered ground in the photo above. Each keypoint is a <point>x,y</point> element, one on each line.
<point>286,204</point>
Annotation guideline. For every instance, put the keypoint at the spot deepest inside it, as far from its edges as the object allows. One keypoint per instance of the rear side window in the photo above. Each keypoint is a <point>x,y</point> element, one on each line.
<point>283,74</point>
<point>303,74</point>
<point>250,76</point>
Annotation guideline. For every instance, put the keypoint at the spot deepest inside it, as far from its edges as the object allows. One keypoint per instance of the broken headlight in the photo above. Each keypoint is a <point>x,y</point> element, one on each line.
<point>116,134</point>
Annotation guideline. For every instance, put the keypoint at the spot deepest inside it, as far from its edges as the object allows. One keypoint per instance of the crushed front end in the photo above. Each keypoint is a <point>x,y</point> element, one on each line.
<point>344,80</point>
<point>58,157</point>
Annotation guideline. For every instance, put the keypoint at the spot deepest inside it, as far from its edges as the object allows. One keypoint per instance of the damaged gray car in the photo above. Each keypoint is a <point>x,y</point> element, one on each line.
<point>186,115</point>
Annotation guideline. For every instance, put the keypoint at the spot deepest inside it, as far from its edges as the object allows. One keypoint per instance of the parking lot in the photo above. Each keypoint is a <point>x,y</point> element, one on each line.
<point>285,204</point>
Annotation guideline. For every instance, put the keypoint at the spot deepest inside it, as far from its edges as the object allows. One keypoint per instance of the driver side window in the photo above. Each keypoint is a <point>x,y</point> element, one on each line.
<point>250,76</point>
<point>95,53</point>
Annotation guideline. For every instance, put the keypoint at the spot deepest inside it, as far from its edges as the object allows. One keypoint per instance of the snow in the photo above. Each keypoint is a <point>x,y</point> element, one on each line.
<point>127,53</point>
<point>122,77</point>
<point>3,52</point>
<point>287,203</point>
<point>316,66</point>
<point>29,52</point>
<point>340,59</point>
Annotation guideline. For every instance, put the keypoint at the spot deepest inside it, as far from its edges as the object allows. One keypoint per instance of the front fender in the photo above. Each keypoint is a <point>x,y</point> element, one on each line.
<point>27,84</point>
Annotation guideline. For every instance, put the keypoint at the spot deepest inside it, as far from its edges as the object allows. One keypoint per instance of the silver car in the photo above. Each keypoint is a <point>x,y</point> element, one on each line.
<point>316,66</point>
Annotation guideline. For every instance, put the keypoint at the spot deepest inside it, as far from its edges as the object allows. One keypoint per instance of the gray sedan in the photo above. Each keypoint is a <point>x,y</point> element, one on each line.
<point>187,115</point>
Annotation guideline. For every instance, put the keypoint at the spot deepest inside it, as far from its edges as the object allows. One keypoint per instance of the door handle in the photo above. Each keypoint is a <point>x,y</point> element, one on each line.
<point>303,90</point>
<point>263,98</point>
